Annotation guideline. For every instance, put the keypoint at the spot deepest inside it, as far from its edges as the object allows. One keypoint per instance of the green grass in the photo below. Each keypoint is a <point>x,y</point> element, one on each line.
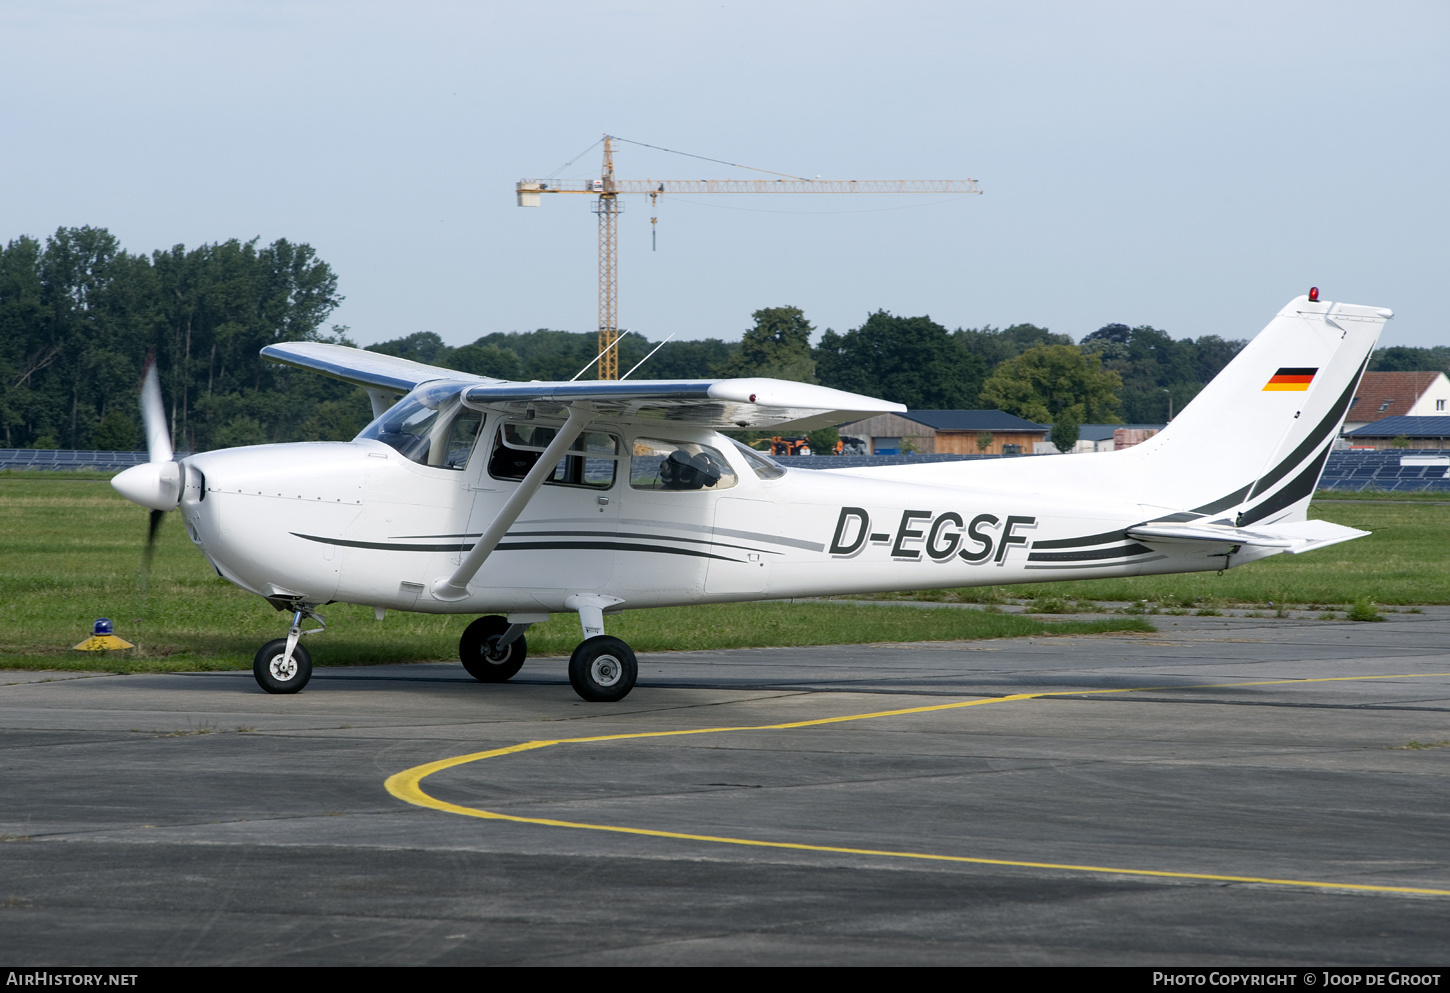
<point>1340,496</point>
<point>1363,609</point>
<point>71,549</point>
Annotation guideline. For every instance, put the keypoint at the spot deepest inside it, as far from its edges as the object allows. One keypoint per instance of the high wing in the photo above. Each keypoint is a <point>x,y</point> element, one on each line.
<point>715,403</point>
<point>372,370</point>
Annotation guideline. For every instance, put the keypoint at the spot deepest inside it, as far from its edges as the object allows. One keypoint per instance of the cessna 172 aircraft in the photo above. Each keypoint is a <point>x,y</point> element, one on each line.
<point>517,500</point>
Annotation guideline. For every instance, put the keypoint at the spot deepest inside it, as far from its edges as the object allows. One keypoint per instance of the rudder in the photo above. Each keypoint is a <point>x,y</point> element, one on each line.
<point>1252,444</point>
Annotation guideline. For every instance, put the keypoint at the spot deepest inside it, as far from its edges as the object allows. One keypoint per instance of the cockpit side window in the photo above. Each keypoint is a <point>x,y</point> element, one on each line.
<point>678,465</point>
<point>592,461</point>
<point>462,436</point>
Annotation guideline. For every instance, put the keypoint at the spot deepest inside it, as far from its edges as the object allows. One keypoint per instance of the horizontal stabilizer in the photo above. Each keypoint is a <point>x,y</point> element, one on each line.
<point>718,403</point>
<point>1294,538</point>
<point>1317,534</point>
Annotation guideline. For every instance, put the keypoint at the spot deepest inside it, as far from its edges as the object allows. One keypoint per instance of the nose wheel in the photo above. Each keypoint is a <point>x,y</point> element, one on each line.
<point>280,672</point>
<point>603,669</point>
<point>284,666</point>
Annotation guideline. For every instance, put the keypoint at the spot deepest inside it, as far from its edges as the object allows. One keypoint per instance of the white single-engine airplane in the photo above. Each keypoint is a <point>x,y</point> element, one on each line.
<point>518,500</point>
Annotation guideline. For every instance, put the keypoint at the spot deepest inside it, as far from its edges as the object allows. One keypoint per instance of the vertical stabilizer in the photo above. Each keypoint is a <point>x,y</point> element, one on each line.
<point>1252,444</point>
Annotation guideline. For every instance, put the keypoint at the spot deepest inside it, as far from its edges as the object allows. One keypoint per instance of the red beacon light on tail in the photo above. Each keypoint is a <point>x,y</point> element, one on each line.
<point>1313,294</point>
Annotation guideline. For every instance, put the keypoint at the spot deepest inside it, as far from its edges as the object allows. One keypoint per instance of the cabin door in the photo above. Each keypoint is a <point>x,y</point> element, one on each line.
<point>565,536</point>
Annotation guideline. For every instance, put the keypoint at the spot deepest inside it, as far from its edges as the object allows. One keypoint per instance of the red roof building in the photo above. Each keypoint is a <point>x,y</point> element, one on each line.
<point>1398,394</point>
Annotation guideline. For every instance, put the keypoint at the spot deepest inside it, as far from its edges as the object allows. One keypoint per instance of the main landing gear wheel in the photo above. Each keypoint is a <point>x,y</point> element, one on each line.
<point>276,674</point>
<point>484,660</point>
<point>603,669</point>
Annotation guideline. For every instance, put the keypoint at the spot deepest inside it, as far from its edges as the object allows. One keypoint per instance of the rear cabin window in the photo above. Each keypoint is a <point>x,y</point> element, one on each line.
<point>678,465</point>
<point>593,459</point>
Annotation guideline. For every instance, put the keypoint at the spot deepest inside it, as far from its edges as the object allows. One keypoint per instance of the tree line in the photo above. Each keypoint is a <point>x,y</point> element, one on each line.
<point>79,315</point>
<point>1117,373</point>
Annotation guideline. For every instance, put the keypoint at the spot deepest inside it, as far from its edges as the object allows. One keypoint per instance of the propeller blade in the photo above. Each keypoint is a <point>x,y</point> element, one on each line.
<point>157,483</point>
<point>153,414</point>
<point>146,556</point>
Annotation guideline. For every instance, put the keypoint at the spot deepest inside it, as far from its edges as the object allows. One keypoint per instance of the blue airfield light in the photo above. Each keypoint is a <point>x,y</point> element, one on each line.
<point>103,638</point>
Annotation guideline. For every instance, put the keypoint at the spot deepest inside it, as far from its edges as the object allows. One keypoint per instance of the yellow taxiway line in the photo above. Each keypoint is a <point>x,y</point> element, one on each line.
<point>406,785</point>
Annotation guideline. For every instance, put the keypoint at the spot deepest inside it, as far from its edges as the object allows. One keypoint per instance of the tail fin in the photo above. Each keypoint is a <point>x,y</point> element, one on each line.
<point>1269,418</point>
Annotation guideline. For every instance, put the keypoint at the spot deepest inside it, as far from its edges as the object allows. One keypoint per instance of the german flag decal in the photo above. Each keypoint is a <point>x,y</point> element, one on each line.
<point>1291,380</point>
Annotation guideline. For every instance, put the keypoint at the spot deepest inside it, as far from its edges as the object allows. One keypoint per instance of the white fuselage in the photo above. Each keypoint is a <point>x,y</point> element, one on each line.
<point>358,522</point>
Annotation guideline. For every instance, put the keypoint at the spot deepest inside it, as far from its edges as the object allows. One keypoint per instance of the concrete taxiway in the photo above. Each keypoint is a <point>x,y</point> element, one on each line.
<point>1228,790</point>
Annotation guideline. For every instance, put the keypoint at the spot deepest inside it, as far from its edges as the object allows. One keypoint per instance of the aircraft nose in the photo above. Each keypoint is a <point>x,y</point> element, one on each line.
<point>156,485</point>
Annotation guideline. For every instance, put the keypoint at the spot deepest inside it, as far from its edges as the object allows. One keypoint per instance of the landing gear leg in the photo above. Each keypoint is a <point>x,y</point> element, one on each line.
<point>602,669</point>
<point>284,666</point>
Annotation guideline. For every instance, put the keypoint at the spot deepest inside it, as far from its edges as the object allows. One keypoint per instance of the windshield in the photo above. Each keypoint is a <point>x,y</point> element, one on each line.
<point>429,426</point>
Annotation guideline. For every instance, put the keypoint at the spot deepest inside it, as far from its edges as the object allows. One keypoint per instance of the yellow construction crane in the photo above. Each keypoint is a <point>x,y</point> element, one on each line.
<point>607,206</point>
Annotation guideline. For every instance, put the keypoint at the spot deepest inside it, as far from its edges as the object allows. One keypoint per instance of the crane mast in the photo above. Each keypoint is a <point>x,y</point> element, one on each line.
<point>608,206</point>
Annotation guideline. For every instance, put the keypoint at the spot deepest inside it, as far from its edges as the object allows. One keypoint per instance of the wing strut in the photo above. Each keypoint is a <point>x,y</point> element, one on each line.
<point>455,587</point>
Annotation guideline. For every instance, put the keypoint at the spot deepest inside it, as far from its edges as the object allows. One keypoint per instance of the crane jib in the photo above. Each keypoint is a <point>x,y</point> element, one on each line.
<point>607,188</point>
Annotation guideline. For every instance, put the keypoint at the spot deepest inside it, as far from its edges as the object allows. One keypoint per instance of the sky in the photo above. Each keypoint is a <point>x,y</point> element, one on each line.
<point>1192,166</point>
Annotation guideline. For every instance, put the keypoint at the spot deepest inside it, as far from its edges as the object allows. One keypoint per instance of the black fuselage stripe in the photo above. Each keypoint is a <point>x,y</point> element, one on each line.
<point>772,539</point>
<point>618,546</point>
<point>1094,565</point>
<point>393,546</point>
<point>1116,552</point>
<point>1091,539</point>
<point>509,546</point>
<point>640,537</point>
<point>598,534</point>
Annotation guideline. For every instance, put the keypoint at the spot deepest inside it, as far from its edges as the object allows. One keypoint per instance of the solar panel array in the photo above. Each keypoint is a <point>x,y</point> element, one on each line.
<point>47,458</point>
<point>1382,471</point>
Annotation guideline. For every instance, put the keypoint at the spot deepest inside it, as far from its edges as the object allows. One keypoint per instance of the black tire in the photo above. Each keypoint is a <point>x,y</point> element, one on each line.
<point>272,676</point>
<point>603,669</point>
<point>483,661</point>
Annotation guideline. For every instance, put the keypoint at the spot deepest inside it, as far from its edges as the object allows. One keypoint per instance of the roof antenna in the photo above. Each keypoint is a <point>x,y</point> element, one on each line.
<point>647,357</point>
<point>601,355</point>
